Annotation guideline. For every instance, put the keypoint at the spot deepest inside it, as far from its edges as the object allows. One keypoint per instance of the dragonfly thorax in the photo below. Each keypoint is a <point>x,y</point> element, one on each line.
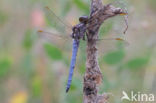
<point>80,29</point>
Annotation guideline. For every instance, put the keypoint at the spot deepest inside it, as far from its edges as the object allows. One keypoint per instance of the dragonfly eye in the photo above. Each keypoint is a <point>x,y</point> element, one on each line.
<point>83,19</point>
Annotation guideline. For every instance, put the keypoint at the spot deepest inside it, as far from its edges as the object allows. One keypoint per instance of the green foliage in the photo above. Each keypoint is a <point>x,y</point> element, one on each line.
<point>28,40</point>
<point>82,6</point>
<point>76,84</point>
<point>52,52</point>
<point>75,93</point>
<point>136,63</point>
<point>3,18</point>
<point>82,68</point>
<point>81,58</point>
<point>106,84</point>
<point>4,66</point>
<point>36,86</point>
<point>66,6</point>
<point>114,57</point>
<point>74,97</point>
<point>152,4</point>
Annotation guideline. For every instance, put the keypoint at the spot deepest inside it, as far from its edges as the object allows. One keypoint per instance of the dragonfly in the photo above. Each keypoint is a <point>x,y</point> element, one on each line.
<point>79,32</point>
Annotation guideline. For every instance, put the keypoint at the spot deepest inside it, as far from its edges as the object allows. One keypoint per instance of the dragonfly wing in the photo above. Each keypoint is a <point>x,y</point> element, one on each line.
<point>110,44</point>
<point>49,36</point>
<point>48,33</point>
<point>56,22</point>
<point>124,42</point>
<point>56,39</point>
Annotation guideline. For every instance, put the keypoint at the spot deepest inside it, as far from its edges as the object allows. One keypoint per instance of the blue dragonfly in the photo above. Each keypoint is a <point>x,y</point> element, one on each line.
<point>77,33</point>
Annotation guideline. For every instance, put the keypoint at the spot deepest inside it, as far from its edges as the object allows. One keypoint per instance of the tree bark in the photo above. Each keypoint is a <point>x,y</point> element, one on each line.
<point>93,76</point>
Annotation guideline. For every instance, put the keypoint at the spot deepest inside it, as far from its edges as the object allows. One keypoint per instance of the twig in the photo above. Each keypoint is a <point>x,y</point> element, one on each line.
<point>93,75</point>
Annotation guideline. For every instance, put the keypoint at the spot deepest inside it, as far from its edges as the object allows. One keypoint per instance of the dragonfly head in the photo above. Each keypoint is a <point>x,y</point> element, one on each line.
<point>83,19</point>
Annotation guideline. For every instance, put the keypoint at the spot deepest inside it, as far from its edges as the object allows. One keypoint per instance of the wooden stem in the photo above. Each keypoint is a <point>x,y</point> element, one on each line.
<point>93,75</point>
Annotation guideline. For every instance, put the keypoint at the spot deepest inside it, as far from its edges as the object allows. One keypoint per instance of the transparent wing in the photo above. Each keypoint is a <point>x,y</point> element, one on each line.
<point>51,35</point>
<point>60,41</point>
<point>57,23</point>
<point>110,44</point>
<point>124,42</point>
<point>104,46</point>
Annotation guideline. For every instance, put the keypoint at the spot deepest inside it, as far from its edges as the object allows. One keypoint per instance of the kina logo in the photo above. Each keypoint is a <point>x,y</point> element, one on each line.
<point>139,97</point>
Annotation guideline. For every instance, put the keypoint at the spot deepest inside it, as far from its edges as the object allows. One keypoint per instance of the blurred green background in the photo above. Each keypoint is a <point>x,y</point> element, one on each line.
<point>34,70</point>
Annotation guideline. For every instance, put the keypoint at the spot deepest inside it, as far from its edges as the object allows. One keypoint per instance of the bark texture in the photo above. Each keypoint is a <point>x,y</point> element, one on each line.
<point>93,76</point>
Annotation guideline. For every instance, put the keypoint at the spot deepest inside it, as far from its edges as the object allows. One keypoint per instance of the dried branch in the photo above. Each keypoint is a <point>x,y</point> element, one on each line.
<point>93,75</point>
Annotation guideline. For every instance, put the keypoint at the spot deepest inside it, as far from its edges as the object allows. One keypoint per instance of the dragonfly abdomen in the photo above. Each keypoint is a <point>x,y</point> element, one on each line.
<point>73,62</point>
